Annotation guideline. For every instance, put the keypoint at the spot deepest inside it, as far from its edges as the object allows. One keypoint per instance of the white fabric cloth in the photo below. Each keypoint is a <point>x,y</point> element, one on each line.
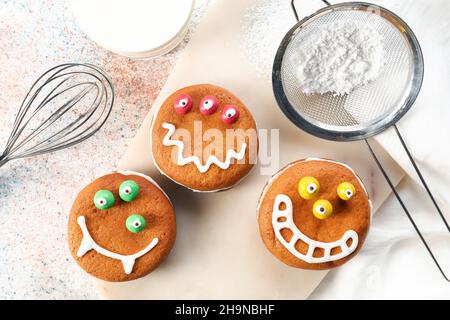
<point>393,262</point>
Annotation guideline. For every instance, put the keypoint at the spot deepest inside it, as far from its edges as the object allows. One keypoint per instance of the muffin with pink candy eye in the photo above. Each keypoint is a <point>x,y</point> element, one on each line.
<point>204,138</point>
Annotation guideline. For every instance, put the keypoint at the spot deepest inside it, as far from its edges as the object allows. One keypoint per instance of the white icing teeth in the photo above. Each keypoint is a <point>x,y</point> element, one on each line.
<point>87,244</point>
<point>181,160</point>
<point>327,247</point>
<point>128,264</point>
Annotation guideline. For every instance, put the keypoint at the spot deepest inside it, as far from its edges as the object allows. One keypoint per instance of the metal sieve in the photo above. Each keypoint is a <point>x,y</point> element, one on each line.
<point>369,109</point>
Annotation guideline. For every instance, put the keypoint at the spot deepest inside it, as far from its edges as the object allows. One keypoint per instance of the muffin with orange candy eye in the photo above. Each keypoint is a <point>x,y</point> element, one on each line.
<point>314,214</point>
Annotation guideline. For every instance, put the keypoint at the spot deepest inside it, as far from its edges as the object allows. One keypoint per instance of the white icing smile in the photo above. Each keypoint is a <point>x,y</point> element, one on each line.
<point>88,244</point>
<point>212,159</point>
<point>312,244</point>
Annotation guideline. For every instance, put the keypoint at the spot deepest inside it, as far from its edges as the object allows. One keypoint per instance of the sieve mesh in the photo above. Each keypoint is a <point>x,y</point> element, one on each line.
<point>368,105</point>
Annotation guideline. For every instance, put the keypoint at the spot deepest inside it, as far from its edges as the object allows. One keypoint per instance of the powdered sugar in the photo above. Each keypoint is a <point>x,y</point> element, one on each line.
<point>264,24</point>
<point>340,57</point>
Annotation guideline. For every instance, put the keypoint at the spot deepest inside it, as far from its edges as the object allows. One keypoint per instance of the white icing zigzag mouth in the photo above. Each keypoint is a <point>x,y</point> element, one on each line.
<point>212,159</point>
<point>88,244</point>
<point>312,244</point>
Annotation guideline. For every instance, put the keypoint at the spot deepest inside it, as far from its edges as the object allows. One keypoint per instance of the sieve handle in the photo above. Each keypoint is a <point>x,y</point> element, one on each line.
<point>295,10</point>
<point>422,179</point>
<point>402,204</point>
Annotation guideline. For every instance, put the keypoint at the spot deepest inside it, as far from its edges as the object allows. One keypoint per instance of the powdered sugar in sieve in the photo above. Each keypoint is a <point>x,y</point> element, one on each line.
<point>342,56</point>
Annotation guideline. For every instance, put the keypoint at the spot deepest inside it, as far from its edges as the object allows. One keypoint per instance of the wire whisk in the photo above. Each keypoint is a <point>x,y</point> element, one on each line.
<point>65,106</point>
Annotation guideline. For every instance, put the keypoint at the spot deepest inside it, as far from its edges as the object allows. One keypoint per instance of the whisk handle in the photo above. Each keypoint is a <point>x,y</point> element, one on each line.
<point>295,10</point>
<point>3,159</point>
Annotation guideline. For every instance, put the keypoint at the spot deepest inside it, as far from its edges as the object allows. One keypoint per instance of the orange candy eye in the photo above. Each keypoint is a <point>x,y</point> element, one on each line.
<point>308,187</point>
<point>346,191</point>
<point>322,209</point>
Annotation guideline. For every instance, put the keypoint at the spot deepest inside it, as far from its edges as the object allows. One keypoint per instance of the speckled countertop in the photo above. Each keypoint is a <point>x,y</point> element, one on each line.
<point>36,193</point>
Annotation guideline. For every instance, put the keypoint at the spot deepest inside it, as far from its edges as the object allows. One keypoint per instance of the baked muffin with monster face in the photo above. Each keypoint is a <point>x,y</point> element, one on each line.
<point>121,226</point>
<point>314,214</point>
<point>204,138</point>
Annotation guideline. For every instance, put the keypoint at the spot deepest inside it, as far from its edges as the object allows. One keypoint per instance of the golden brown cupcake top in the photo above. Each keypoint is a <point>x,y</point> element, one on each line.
<point>314,214</point>
<point>121,227</point>
<point>204,138</point>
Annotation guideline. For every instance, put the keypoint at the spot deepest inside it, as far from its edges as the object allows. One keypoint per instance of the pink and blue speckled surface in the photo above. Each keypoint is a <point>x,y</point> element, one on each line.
<point>36,193</point>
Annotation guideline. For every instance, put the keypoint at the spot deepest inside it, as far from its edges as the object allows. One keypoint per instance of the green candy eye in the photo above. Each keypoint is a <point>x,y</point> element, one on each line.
<point>128,190</point>
<point>135,223</point>
<point>104,199</point>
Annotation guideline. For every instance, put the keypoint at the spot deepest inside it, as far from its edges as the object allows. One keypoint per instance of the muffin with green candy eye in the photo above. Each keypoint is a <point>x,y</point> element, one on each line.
<point>121,226</point>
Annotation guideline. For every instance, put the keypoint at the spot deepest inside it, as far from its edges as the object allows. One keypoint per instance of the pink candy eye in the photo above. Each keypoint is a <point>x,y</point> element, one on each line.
<point>208,105</point>
<point>230,114</point>
<point>183,104</point>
